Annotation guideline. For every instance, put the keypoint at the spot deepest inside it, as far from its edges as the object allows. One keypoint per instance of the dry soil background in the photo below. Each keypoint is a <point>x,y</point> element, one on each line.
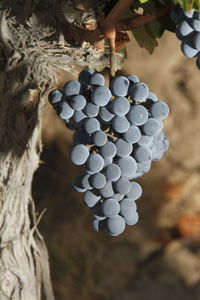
<point>159,258</point>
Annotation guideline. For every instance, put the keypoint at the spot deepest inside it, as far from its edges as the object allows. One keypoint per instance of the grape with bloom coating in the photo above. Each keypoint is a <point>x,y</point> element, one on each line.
<point>79,154</point>
<point>115,225</point>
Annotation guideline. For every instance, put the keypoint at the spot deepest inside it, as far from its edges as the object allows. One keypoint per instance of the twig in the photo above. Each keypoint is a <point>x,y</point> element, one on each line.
<point>109,23</point>
<point>108,27</point>
<point>112,57</point>
<point>142,20</point>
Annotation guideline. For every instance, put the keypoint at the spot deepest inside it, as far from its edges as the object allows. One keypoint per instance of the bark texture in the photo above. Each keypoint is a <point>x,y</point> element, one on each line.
<point>37,38</point>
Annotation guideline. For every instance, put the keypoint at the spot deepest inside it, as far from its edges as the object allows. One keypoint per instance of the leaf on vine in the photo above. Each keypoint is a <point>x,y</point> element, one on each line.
<point>143,1</point>
<point>144,39</point>
<point>188,4</point>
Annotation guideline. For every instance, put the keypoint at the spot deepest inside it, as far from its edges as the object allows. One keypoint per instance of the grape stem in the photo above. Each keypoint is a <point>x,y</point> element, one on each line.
<point>108,27</point>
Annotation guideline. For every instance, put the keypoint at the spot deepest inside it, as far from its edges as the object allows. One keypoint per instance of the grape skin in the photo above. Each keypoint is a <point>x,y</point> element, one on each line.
<point>98,181</point>
<point>127,165</point>
<point>122,186</point>
<point>131,220</point>
<point>91,110</point>
<point>99,138</point>
<point>138,115</point>
<point>127,207</point>
<point>64,110</point>
<point>116,225</point>
<point>120,106</point>
<point>90,198</point>
<point>120,124</point>
<point>85,75</point>
<point>107,191</point>
<point>124,149</point>
<point>71,88</point>
<point>135,192</point>
<point>95,163</point>
<point>119,86</point>
<point>91,125</point>
<point>113,172</point>
<point>108,150</point>
<point>101,95</point>
<point>110,207</point>
<point>132,135</point>
<point>139,92</point>
<point>79,154</point>
<point>97,79</point>
<point>77,102</point>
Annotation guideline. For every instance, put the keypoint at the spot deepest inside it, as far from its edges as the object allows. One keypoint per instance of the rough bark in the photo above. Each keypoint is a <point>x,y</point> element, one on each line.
<point>37,38</point>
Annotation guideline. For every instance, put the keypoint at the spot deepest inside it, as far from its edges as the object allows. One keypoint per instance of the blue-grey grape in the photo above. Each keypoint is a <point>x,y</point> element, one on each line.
<point>91,125</point>
<point>139,92</point>
<point>115,225</point>
<point>120,106</point>
<point>135,191</point>
<point>101,95</point>
<point>107,190</point>
<point>108,150</point>
<point>79,154</point>
<point>105,114</point>
<point>91,110</point>
<point>98,181</point>
<point>77,102</point>
<point>132,219</point>
<point>110,207</point>
<point>127,207</point>
<point>64,110</point>
<point>159,110</point>
<point>95,163</point>
<point>122,186</point>
<point>99,138</point>
<point>85,182</point>
<point>133,78</point>
<point>151,127</point>
<point>79,116</point>
<point>71,88</point>
<point>124,149</point>
<point>145,140</point>
<point>55,96</point>
<point>90,198</point>
<point>97,79</point>
<point>85,75</point>
<point>138,115</point>
<point>119,86</point>
<point>132,135</point>
<point>188,51</point>
<point>142,154</point>
<point>127,165</point>
<point>113,172</point>
<point>120,124</point>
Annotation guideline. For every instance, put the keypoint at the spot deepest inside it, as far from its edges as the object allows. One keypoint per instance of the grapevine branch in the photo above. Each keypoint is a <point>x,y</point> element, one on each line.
<point>108,27</point>
<point>130,24</point>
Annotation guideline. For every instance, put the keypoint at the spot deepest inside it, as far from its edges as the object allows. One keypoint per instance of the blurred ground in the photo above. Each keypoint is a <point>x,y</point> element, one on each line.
<point>160,257</point>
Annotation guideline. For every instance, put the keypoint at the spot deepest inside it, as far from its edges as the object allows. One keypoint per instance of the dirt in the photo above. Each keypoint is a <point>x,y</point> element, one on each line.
<point>159,258</point>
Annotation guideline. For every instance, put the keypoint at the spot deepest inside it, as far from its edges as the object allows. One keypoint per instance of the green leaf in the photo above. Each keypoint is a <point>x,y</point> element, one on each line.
<point>143,1</point>
<point>155,28</point>
<point>144,39</point>
<point>188,4</point>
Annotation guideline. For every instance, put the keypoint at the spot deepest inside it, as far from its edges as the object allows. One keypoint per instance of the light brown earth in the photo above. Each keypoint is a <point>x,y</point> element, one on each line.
<point>160,257</point>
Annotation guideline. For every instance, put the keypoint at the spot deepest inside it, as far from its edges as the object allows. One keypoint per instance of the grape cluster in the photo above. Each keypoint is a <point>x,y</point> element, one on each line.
<point>118,133</point>
<point>188,31</point>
